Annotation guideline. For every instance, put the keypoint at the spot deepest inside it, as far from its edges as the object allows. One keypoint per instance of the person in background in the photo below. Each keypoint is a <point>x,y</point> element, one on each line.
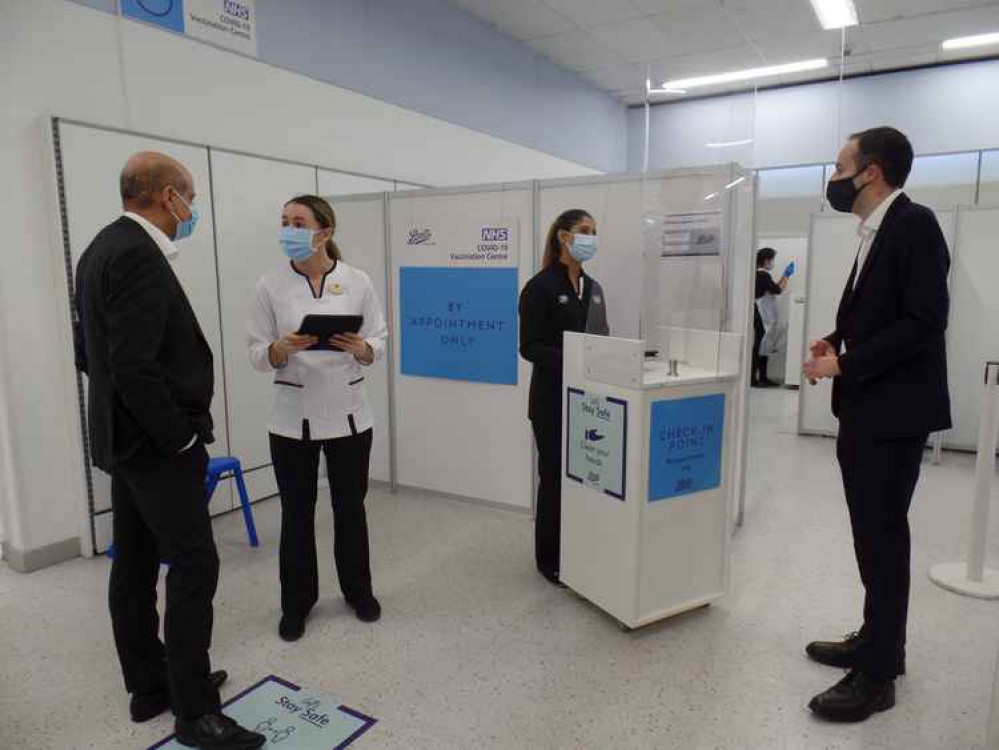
<point>766,289</point>
<point>320,407</point>
<point>562,297</point>
<point>151,382</point>
<point>888,359</point>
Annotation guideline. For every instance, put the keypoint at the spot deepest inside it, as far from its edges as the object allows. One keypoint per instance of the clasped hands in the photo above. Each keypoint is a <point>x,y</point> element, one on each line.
<point>824,362</point>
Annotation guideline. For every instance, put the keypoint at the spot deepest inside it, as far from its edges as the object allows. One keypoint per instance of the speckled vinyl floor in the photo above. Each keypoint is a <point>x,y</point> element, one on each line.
<point>476,651</point>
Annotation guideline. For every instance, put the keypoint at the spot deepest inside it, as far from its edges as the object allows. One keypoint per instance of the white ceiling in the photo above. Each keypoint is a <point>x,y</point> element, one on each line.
<point>612,43</point>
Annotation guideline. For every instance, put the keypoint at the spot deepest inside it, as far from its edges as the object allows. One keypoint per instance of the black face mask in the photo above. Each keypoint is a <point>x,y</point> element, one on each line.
<point>842,194</point>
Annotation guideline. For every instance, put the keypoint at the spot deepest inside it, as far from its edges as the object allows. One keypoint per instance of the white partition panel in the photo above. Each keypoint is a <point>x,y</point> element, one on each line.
<point>249,194</point>
<point>92,162</point>
<point>462,438</point>
<point>973,337</point>
<point>361,237</point>
<point>832,248</point>
<point>341,183</point>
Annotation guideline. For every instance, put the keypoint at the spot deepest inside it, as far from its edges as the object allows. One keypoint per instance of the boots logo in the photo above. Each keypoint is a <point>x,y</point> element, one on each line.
<point>420,237</point>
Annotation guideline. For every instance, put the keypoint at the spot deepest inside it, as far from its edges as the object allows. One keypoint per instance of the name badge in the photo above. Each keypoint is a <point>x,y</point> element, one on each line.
<point>336,289</point>
<point>598,300</point>
<point>563,299</point>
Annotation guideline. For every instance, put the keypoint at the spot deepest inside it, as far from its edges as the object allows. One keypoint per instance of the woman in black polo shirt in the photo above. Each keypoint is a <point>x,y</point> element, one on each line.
<point>560,298</point>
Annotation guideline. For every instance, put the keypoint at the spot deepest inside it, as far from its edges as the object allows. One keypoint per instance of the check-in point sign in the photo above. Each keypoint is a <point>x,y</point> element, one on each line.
<point>685,446</point>
<point>597,442</point>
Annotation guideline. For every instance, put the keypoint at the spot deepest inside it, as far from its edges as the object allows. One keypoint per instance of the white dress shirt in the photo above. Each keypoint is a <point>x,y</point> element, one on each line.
<point>164,243</point>
<point>868,230</point>
<point>166,246</point>
<point>324,387</point>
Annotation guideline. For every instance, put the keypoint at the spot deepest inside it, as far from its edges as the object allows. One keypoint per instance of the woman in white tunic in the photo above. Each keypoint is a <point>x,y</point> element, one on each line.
<point>320,406</point>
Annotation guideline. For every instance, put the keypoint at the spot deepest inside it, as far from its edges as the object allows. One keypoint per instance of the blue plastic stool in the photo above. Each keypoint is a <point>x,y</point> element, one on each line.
<point>218,468</point>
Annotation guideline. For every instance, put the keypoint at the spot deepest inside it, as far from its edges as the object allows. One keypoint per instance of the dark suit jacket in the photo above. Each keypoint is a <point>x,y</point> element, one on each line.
<point>150,367</point>
<point>892,327</point>
<point>548,308</point>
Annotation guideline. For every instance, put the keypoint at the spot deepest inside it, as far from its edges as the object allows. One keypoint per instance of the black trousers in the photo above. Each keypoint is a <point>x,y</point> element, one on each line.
<point>161,514</point>
<point>548,516</point>
<point>296,465</point>
<point>760,364</point>
<point>879,478</point>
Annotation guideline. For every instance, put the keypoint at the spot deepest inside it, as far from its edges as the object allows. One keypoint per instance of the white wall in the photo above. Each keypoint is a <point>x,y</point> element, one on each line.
<point>63,59</point>
<point>944,109</point>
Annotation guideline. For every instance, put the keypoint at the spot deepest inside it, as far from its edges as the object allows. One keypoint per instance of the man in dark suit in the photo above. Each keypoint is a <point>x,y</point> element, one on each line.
<point>888,360</point>
<point>150,388</point>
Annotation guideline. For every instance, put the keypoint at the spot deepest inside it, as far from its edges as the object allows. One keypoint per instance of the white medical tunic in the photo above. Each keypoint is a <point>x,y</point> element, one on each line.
<point>325,388</point>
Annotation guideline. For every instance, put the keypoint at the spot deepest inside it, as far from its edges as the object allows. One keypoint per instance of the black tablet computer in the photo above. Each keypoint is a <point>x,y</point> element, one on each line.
<point>326,327</point>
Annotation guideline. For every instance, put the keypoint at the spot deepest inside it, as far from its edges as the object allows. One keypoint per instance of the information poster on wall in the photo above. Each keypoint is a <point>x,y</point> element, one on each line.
<point>685,446</point>
<point>597,444</point>
<point>459,323</point>
<point>683,234</point>
<point>292,718</point>
<point>231,24</point>
<point>458,293</point>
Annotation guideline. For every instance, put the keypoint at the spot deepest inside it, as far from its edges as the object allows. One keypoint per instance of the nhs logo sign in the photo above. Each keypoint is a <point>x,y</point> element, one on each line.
<point>495,234</point>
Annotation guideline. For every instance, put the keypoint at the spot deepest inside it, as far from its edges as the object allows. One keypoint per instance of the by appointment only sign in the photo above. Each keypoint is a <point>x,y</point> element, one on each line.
<point>458,301</point>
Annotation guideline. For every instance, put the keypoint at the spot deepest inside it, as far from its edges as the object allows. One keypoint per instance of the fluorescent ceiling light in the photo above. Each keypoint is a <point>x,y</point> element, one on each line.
<point>729,144</point>
<point>736,182</point>
<point>965,42</point>
<point>836,14</point>
<point>747,75</point>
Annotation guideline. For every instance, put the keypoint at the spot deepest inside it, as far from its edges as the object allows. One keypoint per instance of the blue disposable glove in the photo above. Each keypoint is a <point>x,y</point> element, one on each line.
<point>789,271</point>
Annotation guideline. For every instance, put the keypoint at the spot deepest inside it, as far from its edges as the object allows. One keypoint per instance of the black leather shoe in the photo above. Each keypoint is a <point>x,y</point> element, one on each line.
<point>217,732</point>
<point>854,698</point>
<point>844,654</point>
<point>366,608</point>
<point>145,707</point>
<point>291,628</point>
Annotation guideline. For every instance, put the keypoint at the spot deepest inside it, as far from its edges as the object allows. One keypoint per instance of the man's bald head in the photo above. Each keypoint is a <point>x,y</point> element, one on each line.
<point>148,174</point>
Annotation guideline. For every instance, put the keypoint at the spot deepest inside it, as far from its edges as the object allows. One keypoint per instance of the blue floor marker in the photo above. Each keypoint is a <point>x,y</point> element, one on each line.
<point>291,718</point>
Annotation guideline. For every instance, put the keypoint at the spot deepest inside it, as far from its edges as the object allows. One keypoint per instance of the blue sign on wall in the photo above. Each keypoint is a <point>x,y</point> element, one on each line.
<point>459,323</point>
<point>685,447</point>
<point>166,13</point>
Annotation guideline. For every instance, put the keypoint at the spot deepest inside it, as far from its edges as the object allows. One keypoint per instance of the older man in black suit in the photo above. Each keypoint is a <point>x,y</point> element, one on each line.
<point>888,358</point>
<point>150,390</point>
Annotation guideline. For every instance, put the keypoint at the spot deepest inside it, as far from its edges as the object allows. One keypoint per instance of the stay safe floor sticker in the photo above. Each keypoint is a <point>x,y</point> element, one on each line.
<point>292,718</point>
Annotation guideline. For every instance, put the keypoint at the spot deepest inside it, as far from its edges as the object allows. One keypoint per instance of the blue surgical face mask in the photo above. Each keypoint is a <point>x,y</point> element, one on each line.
<point>583,247</point>
<point>185,227</point>
<point>296,242</point>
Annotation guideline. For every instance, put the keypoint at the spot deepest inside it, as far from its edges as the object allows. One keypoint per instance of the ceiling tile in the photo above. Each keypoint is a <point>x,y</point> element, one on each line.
<point>521,19</point>
<point>621,78</point>
<point>772,20</point>
<point>698,28</point>
<point>895,60</point>
<point>589,13</point>
<point>709,63</point>
<point>637,40</point>
<point>928,29</point>
<point>655,7</point>
<point>796,47</point>
<point>576,50</point>
<point>873,11</point>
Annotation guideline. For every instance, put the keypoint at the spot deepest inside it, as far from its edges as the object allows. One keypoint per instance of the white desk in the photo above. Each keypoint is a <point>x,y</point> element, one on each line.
<point>639,557</point>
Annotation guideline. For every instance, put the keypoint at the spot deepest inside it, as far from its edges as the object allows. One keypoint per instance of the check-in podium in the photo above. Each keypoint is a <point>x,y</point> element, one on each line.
<point>652,424</point>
